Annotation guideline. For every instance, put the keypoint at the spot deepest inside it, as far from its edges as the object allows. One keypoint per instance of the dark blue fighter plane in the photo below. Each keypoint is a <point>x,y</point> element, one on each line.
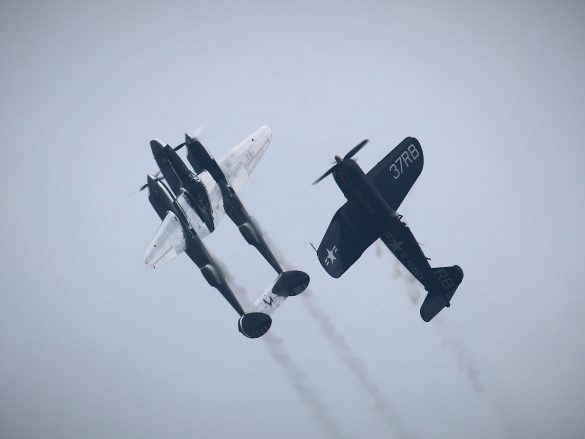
<point>370,213</point>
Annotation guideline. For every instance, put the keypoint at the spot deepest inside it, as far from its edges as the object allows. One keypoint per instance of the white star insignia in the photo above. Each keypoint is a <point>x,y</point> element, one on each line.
<point>396,245</point>
<point>330,256</point>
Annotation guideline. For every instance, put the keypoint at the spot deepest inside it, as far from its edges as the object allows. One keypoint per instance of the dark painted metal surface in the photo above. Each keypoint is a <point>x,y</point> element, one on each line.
<point>234,208</point>
<point>196,250</point>
<point>370,213</point>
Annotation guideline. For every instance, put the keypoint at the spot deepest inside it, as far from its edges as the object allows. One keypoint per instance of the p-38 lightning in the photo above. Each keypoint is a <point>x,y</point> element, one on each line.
<point>370,213</point>
<point>191,204</point>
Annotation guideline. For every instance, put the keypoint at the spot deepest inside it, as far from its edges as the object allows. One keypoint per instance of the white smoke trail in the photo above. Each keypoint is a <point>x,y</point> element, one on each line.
<point>293,371</point>
<point>297,377</point>
<point>511,418</point>
<point>463,358</point>
<point>382,405</point>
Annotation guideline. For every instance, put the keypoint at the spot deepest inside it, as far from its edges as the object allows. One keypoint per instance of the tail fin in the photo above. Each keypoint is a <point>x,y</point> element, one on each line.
<point>254,324</point>
<point>448,279</point>
<point>291,283</point>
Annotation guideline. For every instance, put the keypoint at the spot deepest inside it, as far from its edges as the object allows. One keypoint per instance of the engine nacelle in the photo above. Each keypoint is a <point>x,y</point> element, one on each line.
<point>211,276</point>
<point>201,160</point>
<point>249,234</point>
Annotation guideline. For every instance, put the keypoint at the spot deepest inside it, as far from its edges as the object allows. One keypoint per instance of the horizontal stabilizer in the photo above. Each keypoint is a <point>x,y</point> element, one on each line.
<point>254,324</point>
<point>168,242</point>
<point>447,281</point>
<point>291,283</point>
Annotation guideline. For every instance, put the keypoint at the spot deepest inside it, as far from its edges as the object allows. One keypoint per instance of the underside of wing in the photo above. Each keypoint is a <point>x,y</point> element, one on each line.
<point>395,174</point>
<point>241,160</point>
<point>349,234</point>
<point>168,242</point>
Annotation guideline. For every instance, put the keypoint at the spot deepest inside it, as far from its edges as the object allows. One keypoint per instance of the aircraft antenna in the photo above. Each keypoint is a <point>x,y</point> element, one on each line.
<point>313,247</point>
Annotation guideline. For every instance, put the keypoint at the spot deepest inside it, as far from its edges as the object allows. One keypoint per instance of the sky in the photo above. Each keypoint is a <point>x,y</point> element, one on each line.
<point>94,344</point>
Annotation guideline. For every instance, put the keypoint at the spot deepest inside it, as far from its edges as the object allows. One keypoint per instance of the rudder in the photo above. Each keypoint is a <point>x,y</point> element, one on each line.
<point>448,279</point>
<point>291,283</point>
<point>254,324</point>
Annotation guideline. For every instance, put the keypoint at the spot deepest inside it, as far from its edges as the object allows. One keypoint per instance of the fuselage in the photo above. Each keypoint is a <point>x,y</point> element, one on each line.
<point>198,195</point>
<point>357,188</point>
<point>195,193</point>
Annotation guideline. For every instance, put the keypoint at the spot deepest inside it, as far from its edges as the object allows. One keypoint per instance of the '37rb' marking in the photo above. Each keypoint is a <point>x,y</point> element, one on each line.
<point>404,160</point>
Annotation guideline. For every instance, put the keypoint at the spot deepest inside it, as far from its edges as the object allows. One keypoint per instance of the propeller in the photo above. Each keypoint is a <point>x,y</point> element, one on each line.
<point>146,185</point>
<point>329,171</point>
<point>338,159</point>
<point>189,138</point>
<point>355,149</point>
<point>176,148</point>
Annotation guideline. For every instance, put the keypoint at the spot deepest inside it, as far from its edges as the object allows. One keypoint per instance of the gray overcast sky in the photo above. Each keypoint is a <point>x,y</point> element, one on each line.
<point>95,345</point>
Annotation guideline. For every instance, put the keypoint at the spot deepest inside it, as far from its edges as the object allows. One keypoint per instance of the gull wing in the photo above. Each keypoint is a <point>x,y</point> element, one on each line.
<point>240,161</point>
<point>349,234</point>
<point>396,173</point>
<point>168,242</point>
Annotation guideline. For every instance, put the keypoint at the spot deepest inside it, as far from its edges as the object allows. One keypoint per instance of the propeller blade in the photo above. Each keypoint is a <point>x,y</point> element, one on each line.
<point>329,171</point>
<point>355,149</point>
<point>146,185</point>
<point>176,148</point>
<point>189,138</point>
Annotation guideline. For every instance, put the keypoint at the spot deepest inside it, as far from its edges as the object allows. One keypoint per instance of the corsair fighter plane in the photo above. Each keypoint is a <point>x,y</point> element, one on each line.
<point>191,204</point>
<point>370,213</point>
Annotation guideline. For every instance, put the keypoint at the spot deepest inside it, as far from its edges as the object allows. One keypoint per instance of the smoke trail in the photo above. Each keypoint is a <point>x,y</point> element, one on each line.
<point>464,360</point>
<point>378,248</point>
<point>463,357</point>
<point>292,370</point>
<point>297,377</point>
<point>382,405</point>
<point>466,364</point>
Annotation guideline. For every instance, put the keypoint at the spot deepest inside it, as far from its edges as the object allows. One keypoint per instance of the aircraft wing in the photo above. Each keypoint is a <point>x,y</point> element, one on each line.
<point>168,242</point>
<point>348,236</point>
<point>395,174</point>
<point>241,160</point>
